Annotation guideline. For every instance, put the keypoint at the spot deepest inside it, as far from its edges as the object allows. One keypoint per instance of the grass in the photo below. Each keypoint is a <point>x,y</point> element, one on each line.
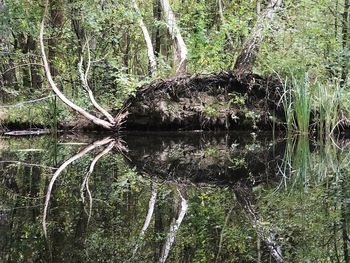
<point>303,98</point>
<point>303,92</point>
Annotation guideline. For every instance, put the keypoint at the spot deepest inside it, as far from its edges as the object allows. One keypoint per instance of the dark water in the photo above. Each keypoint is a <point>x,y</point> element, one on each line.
<point>180,197</point>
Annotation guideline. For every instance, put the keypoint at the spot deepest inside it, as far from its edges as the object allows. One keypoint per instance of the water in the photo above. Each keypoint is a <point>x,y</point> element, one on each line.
<point>173,197</point>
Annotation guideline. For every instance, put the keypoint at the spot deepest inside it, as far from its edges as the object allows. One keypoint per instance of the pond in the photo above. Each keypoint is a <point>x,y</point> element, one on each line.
<point>173,197</point>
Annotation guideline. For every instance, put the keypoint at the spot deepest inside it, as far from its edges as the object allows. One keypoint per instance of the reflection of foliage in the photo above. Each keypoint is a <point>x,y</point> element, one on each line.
<point>307,221</point>
<point>236,162</point>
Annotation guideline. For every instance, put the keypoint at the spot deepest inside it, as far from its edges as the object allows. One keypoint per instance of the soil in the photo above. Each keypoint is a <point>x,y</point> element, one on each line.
<point>221,101</point>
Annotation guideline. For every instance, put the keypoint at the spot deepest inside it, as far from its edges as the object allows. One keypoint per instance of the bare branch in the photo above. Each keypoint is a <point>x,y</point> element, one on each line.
<point>30,164</point>
<point>85,183</point>
<point>83,78</point>
<point>27,102</point>
<point>21,65</point>
<point>84,113</point>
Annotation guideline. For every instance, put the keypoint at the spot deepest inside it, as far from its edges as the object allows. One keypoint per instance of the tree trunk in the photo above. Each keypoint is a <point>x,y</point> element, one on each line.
<point>151,56</point>
<point>345,33</point>
<point>23,45</point>
<point>246,199</point>
<point>156,31</point>
<point>174,227</point>
<point>57,18</point>
<point>246,59</point>
<point>102,123</point>
<point>34,69</point>
<point>8,75</point>
<point>180,46</point>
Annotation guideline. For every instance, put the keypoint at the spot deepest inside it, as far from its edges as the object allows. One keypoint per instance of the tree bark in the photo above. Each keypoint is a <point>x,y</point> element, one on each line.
<point>156,31</point>
<point>246,59</point>
<point>151,56</point>
<point>57,18</point>
<point>34,69</point>
<point>246,199</point>
<point>9,75</point>
<point>180,46</point>
<point>345,44</point>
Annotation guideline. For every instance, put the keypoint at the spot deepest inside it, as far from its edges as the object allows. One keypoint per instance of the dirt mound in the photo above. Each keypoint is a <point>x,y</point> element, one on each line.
<point>221,101</point>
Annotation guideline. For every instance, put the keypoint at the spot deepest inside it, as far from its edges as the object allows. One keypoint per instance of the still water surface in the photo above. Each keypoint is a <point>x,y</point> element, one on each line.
<point>173,197</point>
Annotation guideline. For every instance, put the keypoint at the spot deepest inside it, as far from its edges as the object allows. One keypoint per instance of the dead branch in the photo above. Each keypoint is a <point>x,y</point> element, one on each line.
<point>30,164</point>
<point>27,102</point>
<point>84,80</point>
<point>105,124</point>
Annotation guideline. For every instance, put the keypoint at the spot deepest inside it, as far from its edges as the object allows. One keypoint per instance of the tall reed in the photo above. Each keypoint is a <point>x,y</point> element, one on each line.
<point>303,92</point>
<point>287,102</point>
<point>328,101</point>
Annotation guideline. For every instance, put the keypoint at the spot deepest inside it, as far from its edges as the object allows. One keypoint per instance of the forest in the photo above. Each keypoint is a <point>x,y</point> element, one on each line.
<point>174,131</point>
<point>175,65</point>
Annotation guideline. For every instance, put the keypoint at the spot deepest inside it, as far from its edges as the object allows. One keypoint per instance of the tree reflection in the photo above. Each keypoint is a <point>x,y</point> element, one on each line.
<point>112,143</point>
<point>174,227</point>
<point>151,204</point>
<point>162,202</point>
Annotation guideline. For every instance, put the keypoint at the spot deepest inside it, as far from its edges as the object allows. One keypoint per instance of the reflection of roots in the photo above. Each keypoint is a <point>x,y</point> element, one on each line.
<point>112,143</point>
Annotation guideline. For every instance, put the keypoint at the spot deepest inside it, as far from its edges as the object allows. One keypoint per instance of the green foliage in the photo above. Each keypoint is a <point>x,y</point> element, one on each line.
<point>212,109</point>
<point>304,37</point>
<point>303,90</point>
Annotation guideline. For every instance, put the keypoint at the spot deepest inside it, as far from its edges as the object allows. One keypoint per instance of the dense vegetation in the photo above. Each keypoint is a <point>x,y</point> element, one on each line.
<point>306,45</point>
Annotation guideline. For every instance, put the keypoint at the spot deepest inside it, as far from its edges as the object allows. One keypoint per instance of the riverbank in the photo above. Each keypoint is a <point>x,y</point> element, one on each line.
<point>216,102</point>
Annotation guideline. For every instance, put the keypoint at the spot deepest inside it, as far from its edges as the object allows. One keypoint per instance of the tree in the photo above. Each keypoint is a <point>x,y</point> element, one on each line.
<point>221,12</point>
<point>180,46</point>
<point>151,56</point>
<point>246,59</point>
<point>57,21</point>
<point>345,42</point>
<point>112,123</point>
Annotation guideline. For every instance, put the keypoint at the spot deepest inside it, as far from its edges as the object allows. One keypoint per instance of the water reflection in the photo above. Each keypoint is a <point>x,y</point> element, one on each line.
<point>173,198</point>
<point>112,142</point>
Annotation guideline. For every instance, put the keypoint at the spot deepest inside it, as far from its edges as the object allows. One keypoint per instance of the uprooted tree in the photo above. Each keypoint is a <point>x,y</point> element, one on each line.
<point>102,118</point>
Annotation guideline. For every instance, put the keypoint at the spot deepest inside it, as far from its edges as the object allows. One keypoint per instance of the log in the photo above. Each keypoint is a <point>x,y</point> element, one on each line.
<point>25,133</point>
